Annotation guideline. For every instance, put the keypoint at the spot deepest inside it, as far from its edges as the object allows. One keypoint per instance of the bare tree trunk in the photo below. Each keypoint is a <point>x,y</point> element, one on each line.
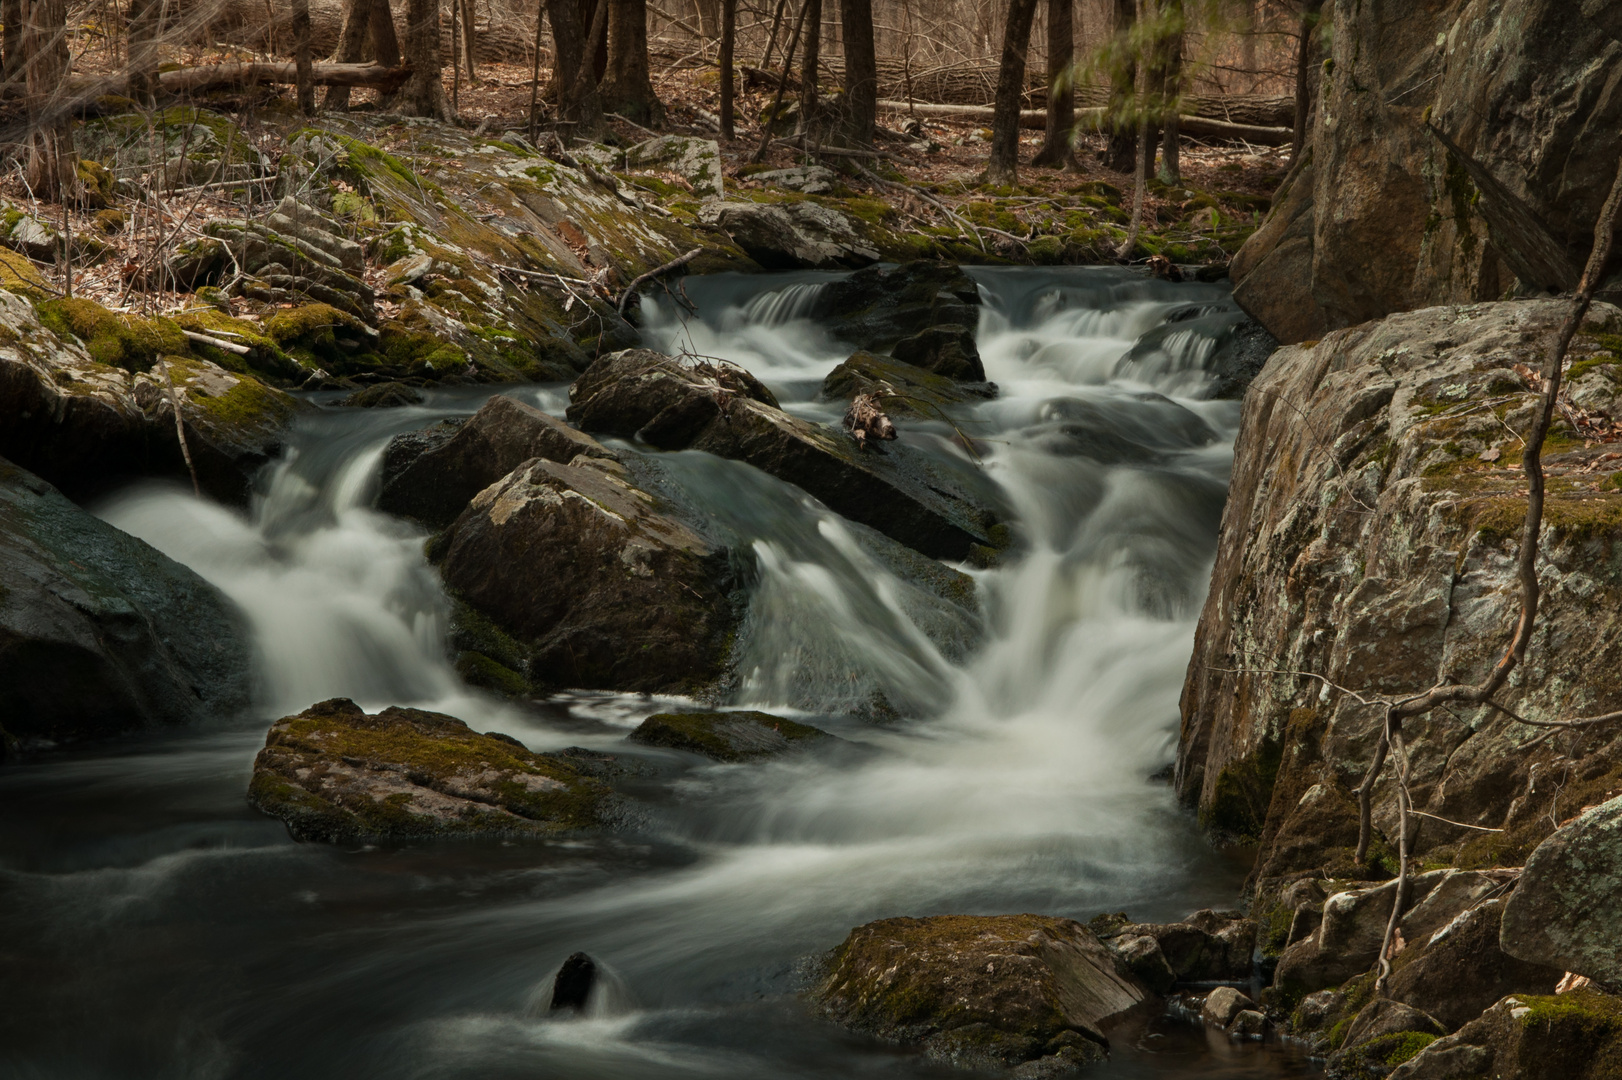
<point>1304,75</point>
<point>11,39</point>
<point>628,84</point>
<point>771,39</point>
<point>385,42</point>
<point>1170,48</point>
<point>424,95</point>
<point>535,74</point>
<point>1247,53</point>
<point>50,169</point>
<point>861,70</point>
<point>143,49</point>
<point>1140,186</point>
<point>729,32</point>
<point>1056,150</point>
<point>1122,154</point>
<point>1003,165</point>
<point>301,56</point>
<point>808,67</point>
<point>581,103</point>
<point>470,40</point>
<point>585,9</point>
<point>351,50</point>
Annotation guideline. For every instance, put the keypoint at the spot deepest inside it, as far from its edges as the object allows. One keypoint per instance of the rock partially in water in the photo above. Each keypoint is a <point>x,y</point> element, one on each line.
<point>594,579</point>
<point>876,308</point>
<point>571,987</point>
<point>980,991</point>
<point>100,633</point>
<point>1223,1005</point>
<point>791,236</point>
<point>901,388</point>
<point>388,395</point>
<point>1567,909</point>
<point>728,736</point>
<point>719,409</point>
<point>1207,946</point>
<point>431,475</point>
<point>336,773</point>
<point>946,349</point>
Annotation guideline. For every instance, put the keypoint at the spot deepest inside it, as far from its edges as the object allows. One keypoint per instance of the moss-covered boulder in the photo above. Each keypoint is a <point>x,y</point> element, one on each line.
<point>603,588</point>
<point>721,409</point>
<point>1574,1036</point>
<point>99,632</point>
<point>980,991</point>
<point>902,389</point>
<point>792,235</point>
<point>337,773</point>
<point>728,736</point>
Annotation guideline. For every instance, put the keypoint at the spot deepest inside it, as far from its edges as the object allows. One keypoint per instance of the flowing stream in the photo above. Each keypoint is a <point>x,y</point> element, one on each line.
<point>157,927</point>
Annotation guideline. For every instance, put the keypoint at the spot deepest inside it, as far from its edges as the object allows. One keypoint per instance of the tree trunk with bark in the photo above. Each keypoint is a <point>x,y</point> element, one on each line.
<point>470,39</point>
<point>11,39</point>
<point>50,172</point>
<point>573,71</point>
<point>861,70</point>
<point>1170,48</point>
<point>302,57</point>
<point>351,50</point>
<point>1003,165</point>
<point>729,33</point>
<point>628,84</point>
<point>808,67</point>
<point>1305,51</point>
<point>142,68</point>
<point>1056,150</point>
<point>424,94</point>
<point>1122,153</point>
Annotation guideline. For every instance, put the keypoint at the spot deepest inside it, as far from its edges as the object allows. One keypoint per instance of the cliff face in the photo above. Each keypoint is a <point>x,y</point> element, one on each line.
<point>1380,218</point>
<point>1369,538</point>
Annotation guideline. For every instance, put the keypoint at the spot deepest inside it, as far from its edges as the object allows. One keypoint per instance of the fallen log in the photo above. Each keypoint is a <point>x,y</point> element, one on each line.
<point>230,76</point>
<point>1198,127</point>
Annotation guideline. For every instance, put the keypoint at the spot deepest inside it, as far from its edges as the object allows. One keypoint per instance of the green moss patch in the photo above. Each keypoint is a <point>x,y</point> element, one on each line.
<point>125,341</point>
<point>727,736</point>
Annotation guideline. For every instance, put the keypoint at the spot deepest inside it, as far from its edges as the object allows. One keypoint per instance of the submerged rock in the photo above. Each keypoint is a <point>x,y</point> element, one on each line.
<point>431,475</point>
<point>99,632</point>
<point>980,990</point>
<point>723,410</point>
<point>1567,909</point>
<point>594,579</point>
<point>571,987</point>
<point>337,773</point>
<point>727,736</point>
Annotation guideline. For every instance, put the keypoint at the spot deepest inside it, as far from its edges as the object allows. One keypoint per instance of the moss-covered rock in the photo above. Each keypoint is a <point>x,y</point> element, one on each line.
<point>117,340</point>
<point>902,389</point>
<point>727,736</point>
<point>1574,1036</point>
<point>338,774</point>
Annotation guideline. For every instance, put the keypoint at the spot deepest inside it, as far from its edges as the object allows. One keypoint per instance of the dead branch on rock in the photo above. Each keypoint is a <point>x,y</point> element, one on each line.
<point>674,264</point>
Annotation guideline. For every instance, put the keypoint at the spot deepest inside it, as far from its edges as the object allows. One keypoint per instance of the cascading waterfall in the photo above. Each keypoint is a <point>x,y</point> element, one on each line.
<point>999,759</point>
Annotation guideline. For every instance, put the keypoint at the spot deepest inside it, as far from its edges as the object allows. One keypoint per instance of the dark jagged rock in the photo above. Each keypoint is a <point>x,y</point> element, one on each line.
<point>1456,972</point>
<point>947,349</point>
<point>388,395</point>
<point>1152,431</point>
<point>1208,946</point>
<point>723,410</point>
<point>571,987</point>
<point>431,475</point>
<point>601,587</point>
<point>1568,906</point>
<point>337,773</point>
<point>99,632</point>
<point>727,736</point>
<point>980,991</point>
<point>901,388</point>
<point>876,308</point>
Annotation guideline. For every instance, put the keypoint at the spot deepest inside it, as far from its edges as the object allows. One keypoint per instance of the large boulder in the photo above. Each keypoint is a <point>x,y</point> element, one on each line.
<point>601,586</point>
<point>1208,946</point>
<point>1368,538</point>
<point>1568,907</point>
<point>902,389</point>
<point>980,990</point>
<point>723,410</point>
<point>1575,1036</point>
<point>432,475</point>
<point>728,736</point>
<point>88,424</point>
<point>1393,222</point>
<point>791,236</point>
<point>878,307</point>
<point>101,633</point>
<point>1459,970</point>
<point>337,773</point>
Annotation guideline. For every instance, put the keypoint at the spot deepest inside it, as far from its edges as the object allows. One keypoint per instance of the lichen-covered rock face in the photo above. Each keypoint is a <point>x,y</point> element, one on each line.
<point>728,736</point>
<point>792,236</point>
<point>89,416</point>
<point>697,161</point>
<point>1568,907</point>
<point>602,587</point>
<point>337,773</point>
<point>1392,222</point>
<point>101,634</point>
<point>1369,539</point>
<point>725,411</point>
<point>980,990</point>
<point>1575,1036</point>
<point>433,482</point>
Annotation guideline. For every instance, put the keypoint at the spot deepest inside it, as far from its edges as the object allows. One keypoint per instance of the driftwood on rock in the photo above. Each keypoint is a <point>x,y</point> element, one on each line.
<point>865,420</point>
<point>1198,127</point>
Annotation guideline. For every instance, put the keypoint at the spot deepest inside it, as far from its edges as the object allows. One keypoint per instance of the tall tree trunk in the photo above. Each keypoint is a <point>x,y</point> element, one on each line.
<point>470,40</point>
<point>1247,54</point>
<point>1003,165</point>
<point>385,42</point>
<point>599,56</point>
<point>771,39</point>
<point>11,39</point>
<point>729,33</point>
<point>143,48</point>
<point>1056,150</point>
<point>351,50</point>
<point>861,70</point>
<point>628,84</point>
<point>535,73</point>
<point>424,95</point>
<point>50,173</point>
<point>808,67</point>
<point>1304,75</point>
<point>584,104</point>
<point>1170,47</point>
<point>1122,154</point>
<point>301,56</point>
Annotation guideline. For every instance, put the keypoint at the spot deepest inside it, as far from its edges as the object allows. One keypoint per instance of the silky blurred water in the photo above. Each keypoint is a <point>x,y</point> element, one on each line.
<point>156,927</point>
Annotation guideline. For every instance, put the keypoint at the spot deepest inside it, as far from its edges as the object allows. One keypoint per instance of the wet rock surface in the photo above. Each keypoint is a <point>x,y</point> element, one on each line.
<point>597,583</point>
<point>728,736</point>
<point>981,991</point>
<point>900,388</point>
<point>1208,946</point>
<point>722,410</point>
<point>338,774</point>
<point>876,308</point>
<point>100,633</point>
